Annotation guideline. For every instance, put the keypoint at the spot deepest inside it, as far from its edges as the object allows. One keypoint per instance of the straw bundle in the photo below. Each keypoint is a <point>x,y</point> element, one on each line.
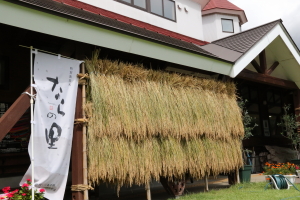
<point>127,162</point>
<point>145,124</point>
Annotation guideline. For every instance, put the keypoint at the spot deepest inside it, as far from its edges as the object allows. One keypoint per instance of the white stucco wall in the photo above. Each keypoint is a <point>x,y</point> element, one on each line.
<point>212,26</point>
<point>187,23</point>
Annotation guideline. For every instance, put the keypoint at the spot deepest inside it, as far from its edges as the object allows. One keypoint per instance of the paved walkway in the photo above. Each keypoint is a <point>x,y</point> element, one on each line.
<point>257,178</point>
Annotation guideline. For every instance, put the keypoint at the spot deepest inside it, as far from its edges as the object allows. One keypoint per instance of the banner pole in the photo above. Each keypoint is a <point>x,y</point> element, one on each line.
<point>32,127</point>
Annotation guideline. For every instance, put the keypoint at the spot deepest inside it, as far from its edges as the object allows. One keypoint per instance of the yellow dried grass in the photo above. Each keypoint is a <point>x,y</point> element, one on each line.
<point>138,110</point>
<point>144,124</point>
<point>126,162</point>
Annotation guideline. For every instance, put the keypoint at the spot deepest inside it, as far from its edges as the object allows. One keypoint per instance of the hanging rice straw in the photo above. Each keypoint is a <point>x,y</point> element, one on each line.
<point>144,124</point>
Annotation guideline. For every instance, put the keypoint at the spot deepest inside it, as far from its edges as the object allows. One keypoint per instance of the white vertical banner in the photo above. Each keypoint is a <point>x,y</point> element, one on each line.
<point>56,85</point>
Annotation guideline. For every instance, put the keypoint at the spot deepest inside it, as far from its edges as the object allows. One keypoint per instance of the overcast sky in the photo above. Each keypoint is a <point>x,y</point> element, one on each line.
<point>260,12</point>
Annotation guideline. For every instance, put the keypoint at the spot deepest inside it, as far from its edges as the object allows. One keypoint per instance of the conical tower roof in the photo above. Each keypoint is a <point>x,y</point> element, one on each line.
<point>224,7</point>
<point>223,4</point>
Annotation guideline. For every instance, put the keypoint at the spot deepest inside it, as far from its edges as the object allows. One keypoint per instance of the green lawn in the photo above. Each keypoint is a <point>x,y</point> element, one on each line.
<point>249,191</point>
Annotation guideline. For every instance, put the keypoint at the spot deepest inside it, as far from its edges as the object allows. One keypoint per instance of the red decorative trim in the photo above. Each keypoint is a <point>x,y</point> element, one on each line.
<point>100,11</point>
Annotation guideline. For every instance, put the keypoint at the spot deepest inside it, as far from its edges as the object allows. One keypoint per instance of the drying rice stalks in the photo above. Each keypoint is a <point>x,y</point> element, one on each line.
<point>144,124</point>
<point>123,161</point>
<point>139,110</point>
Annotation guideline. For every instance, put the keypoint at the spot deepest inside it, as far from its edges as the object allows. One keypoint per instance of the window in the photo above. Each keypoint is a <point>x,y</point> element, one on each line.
<point>227,25</point>
<point>163,8</point>
<point>140,3</point>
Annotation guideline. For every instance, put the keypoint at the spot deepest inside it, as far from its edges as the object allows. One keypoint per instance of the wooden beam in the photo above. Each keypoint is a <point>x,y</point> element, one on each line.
<point>272,68</point>
<point>14,113</point>
<point>77,146</point>
<point>263,61</point>
<point>256,66</point>
<point>266,79</point>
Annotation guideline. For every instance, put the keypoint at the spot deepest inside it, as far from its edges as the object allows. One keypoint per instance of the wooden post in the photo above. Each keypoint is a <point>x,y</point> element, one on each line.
<point>238,176</point>
<point>263,61</point>
<point>147,187</point>
<point>77,146</point>
<point>233,178</point>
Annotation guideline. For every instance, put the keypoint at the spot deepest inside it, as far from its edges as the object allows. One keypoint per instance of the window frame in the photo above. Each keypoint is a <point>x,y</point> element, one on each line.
<point>231,23</point>
<point>148,8</point>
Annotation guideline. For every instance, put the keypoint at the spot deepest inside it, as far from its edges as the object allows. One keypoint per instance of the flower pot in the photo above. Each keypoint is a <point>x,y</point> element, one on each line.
<point>245,173</point>
<point>298,173</point>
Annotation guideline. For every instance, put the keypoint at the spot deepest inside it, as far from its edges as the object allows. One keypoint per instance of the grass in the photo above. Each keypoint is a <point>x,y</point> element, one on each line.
<point>247,191</point>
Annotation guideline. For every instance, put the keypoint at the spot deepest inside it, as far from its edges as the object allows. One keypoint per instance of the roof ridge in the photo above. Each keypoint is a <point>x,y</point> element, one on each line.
<point>206,4</point>
<point>243,41</point>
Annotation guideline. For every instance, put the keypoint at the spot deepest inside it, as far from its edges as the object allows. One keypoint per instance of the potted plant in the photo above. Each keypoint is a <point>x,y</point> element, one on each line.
<point>289,126</point>
<point>24,193</point>
<point>245,171</point>
<point>288,170</point>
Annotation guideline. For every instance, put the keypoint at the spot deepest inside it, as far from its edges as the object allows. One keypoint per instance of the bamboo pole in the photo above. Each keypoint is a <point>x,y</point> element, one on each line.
<point>85,182</point>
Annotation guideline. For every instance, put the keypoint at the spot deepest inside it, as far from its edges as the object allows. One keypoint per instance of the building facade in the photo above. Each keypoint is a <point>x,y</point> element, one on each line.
<point>201,38</point>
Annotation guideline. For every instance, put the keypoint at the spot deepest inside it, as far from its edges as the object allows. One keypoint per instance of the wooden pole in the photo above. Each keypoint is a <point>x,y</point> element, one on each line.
<point>77,146</point>
<point>147,187</point>
<point>85,182</point>
<point>206,183</point>
<point>238,176</point>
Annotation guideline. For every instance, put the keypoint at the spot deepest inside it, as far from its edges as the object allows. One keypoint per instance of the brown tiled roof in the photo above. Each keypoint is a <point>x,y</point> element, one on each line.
<point>224,4</point>
<point>242,42</point>
<point>109,23</point>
